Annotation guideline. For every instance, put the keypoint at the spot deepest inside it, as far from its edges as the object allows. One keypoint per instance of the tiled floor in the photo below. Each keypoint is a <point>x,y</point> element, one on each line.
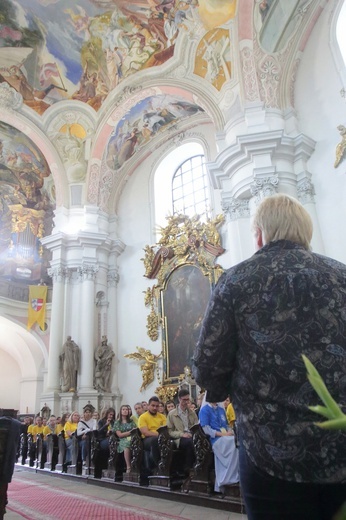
<point>176,508</point>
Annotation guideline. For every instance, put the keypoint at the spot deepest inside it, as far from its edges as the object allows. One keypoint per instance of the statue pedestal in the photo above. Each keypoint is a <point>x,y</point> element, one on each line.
<point>52,401</point>
<point>68,402</point>
<point>87,397</point>
<point>105,400</point>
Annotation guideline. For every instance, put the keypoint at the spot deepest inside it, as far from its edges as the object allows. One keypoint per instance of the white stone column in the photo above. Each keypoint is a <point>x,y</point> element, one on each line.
<point>87,327</point>
<point>56,328</point>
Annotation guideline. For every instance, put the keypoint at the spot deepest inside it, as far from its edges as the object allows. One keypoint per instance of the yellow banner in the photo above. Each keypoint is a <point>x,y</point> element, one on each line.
<point>37,305</point>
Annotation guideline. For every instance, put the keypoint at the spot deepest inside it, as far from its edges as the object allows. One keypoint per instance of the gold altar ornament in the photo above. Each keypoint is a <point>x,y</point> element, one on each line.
<point>340,149</point>
<point>149,364</point>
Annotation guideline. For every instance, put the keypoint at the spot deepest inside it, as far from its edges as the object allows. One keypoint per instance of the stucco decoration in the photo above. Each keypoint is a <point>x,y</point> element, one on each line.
<point>264,187</point>
<point>94,179</point>
<point>306,191</point>
<point>9,97</point>
<point>236,208</point>
<point>250,82</point>
<point>69,132</point>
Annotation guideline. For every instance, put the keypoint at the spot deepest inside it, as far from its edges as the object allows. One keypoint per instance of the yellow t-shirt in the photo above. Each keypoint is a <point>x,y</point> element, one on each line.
<point>70,427</point>
<point>58,428</point>
<point>36,430</point>
<point>152,422</point>
<point>230,414</point>
<point>30,427</point>
<point>47,431</point>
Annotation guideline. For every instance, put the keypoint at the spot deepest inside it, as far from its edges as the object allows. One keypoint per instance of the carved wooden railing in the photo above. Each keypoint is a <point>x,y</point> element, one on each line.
<point>137,453</point>
<point>111,470</point>
<point>30,456</point>
<point>51,451</point>
<point>75,467</point>
<point>201,478</point>
<point>23,448</point>
<point>39,458</point>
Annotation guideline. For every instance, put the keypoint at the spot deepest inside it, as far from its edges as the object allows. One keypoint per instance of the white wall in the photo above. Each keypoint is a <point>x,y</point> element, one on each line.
<point>9,382</point>
<point>320,109</point>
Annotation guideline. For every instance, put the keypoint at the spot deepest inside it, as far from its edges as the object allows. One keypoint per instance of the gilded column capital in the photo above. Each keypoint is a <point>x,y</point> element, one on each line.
<point>88,271</point>
<point>236,208</point>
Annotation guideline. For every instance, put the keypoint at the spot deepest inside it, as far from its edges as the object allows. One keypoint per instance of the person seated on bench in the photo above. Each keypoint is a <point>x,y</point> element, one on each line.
<point>70,429</point>
<point>122,427</point>
<point>85,425</point>
<point>104,427</point>
<point>139,410</point>
<point>212,418</point>
<point>61,425</point>
<point>179,422</point>
<point>148,423</point>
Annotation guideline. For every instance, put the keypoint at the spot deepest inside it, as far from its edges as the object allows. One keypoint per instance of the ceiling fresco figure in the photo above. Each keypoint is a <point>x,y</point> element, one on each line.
<point>107,42</point>
<point>145,120</point>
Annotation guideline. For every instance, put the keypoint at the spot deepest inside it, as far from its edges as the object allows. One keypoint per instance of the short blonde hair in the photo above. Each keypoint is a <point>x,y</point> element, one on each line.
<point>281,217</point>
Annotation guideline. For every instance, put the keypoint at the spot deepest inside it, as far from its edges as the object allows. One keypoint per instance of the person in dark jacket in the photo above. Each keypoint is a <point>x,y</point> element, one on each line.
<point>264,314</point>
<point>10,430</point>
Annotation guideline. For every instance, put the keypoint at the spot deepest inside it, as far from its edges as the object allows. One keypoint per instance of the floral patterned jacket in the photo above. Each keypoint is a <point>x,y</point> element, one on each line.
<point>263,314</point>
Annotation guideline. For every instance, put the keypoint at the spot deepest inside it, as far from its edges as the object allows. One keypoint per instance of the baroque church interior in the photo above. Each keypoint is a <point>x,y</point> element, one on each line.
<point>114,115</point>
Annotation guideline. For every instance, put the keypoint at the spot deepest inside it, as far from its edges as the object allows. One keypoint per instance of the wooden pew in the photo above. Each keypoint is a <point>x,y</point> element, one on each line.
<point>111,470</point>
<point>136,474</point>
<point>170,468</point>
<point>61,453</point>
<point>52,455</point>
<point>23,448</point>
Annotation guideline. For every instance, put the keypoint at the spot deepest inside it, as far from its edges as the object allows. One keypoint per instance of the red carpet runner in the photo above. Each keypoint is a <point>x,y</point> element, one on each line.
<point>35,501</point>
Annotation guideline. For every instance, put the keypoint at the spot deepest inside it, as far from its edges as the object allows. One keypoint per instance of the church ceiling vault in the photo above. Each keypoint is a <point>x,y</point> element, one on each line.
<point>107,42</point>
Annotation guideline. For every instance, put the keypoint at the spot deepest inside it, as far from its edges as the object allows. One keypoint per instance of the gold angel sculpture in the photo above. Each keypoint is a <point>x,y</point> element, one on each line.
<point>149,364</point>
<point>341,147</point>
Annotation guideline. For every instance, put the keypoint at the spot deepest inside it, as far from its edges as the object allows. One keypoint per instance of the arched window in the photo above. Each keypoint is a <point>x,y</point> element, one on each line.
<point>180,177</point>
<point>190,192</point>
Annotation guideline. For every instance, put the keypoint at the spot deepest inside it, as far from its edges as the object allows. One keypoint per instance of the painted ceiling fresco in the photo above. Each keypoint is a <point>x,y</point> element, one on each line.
<point>26,206</point>
<point>52,50</point>
<point>143,122</point>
